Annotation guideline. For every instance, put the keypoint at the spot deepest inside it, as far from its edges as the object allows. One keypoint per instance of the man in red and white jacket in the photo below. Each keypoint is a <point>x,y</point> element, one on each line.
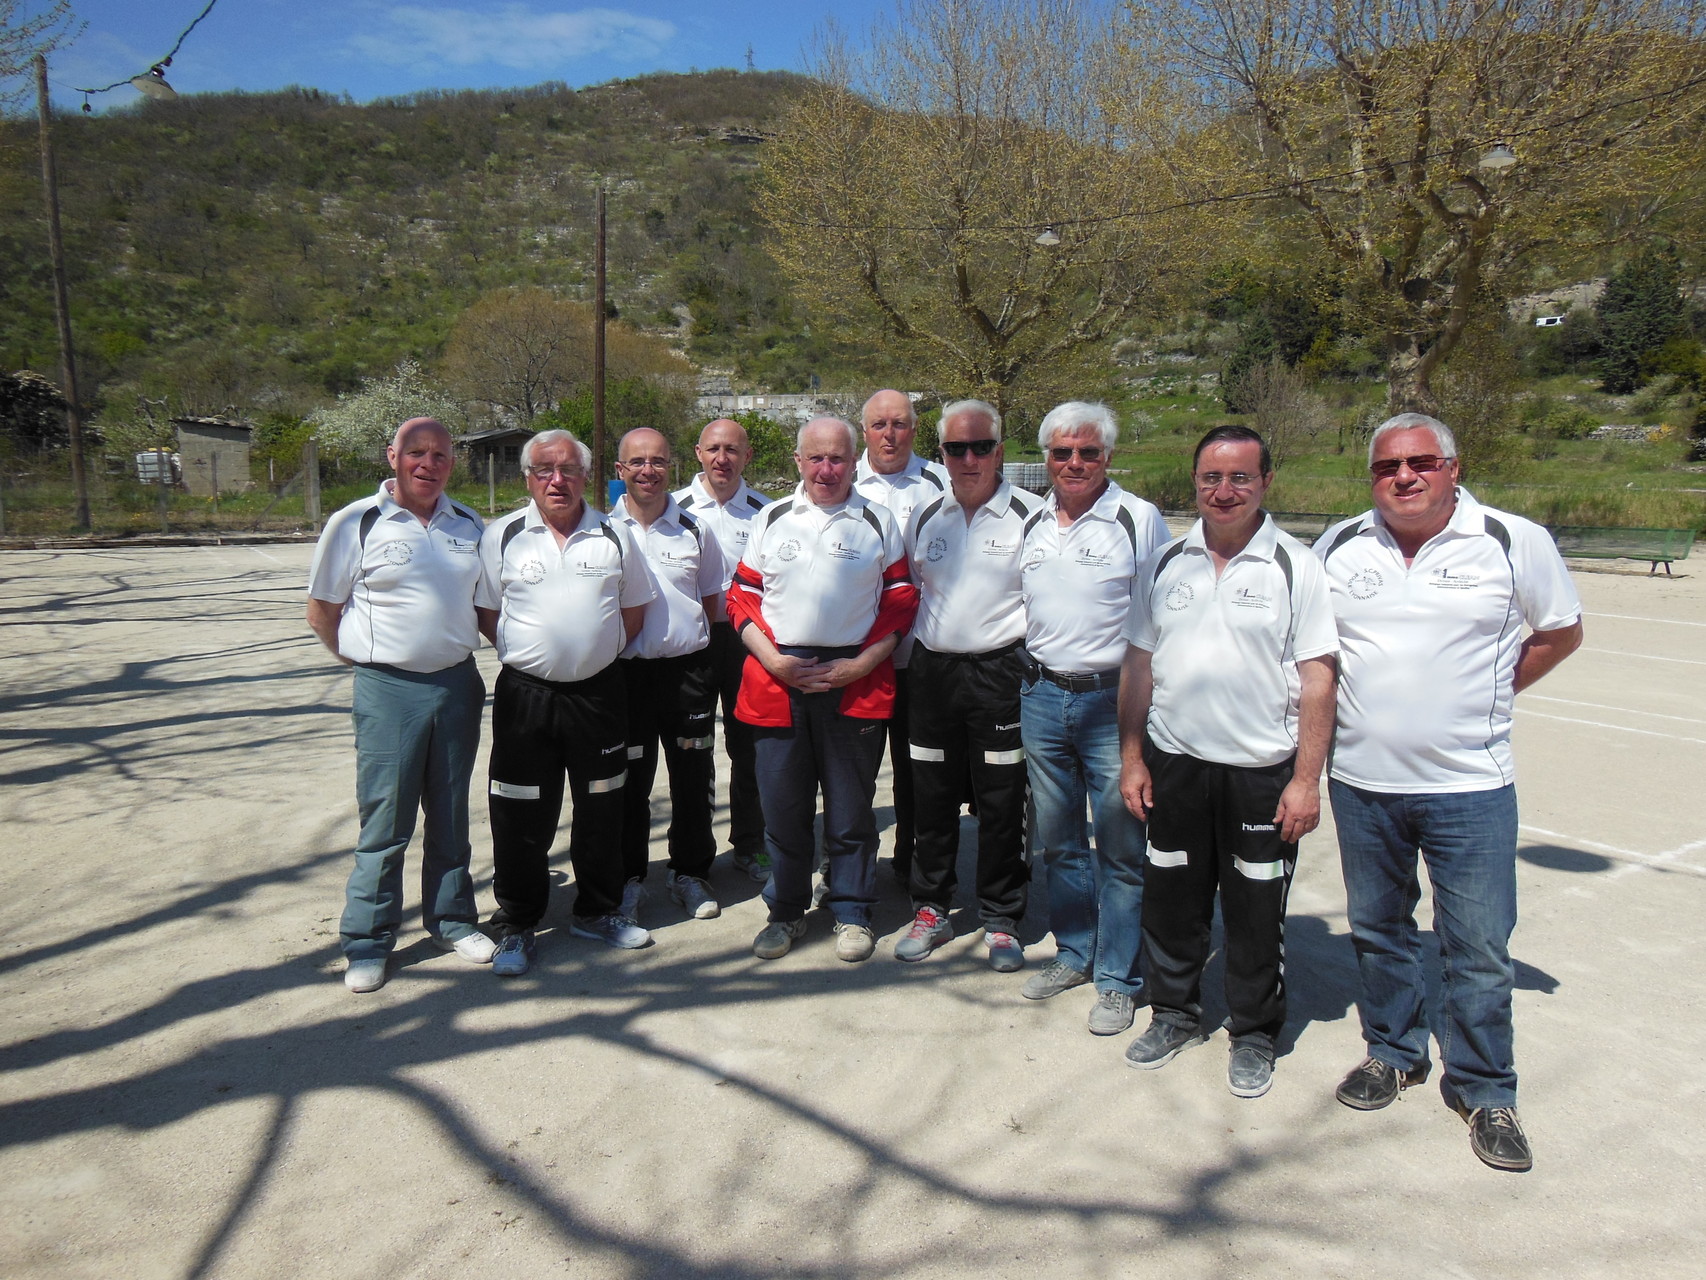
<point>822,596</point>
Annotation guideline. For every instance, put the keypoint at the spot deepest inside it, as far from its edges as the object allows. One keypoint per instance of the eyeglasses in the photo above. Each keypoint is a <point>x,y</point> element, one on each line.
<point>1090,453</point>
<point>551,473</point>
<point>640,464</point>
<point>957,448</point>
<point>1209,481</point>
<point>1421,464</point>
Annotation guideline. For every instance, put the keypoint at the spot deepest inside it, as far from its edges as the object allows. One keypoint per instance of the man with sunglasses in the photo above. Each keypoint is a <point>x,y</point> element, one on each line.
<point>967,665</point>
<point>891,475</point>
<point>1432,591</point>
<point>562,591</point>
<point>721,500</point>
<point>1080,553</point>
<point>671,685</point>
<point>1226,714</point>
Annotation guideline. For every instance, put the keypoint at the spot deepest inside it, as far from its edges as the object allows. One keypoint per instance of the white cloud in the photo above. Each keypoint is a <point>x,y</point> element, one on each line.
<point>514,36</point>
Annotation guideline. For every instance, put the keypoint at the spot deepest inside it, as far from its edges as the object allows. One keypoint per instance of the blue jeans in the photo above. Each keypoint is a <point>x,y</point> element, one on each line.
<point>416,736</point>
<point>1072,748</point>
<point>1468,840</point>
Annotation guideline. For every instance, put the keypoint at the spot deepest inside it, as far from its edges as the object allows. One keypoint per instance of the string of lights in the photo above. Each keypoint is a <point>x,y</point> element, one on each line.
<point>152,81</point>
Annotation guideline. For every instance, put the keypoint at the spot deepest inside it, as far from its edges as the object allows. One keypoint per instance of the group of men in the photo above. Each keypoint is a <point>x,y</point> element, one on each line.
<point>1158,711</point>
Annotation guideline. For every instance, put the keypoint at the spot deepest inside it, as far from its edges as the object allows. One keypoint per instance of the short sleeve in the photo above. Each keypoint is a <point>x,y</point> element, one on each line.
<point>714,569</point>
<point>1140,620</point>
<point>1543,586</point>
<point>638,585</point>
<point>337,558</point>
<point>489,591</point>
<point>1315,631</point>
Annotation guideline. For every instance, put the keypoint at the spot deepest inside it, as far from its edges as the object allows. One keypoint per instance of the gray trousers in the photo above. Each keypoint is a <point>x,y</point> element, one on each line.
<point>416,736</point>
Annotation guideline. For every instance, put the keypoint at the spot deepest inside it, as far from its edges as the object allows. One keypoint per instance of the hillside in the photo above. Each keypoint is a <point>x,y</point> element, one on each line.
<point>267,251</point>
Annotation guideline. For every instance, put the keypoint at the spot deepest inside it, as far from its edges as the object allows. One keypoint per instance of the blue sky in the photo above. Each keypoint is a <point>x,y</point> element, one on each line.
<point>375,48</point>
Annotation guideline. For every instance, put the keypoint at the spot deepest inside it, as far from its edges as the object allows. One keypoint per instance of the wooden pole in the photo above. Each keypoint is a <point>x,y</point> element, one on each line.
<point>61,302</point>
<point>311,482</point>
<point>599,499</point>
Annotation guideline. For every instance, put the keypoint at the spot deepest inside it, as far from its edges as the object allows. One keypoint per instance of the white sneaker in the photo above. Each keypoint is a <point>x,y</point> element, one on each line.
<point>633,894</point>
<point>365,975</point>
<point>854,942</point>
<point>475,948</point>
<point>695,897</point>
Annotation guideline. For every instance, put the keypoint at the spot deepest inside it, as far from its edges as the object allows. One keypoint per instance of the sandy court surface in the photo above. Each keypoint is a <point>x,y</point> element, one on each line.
<point>188,1090</point>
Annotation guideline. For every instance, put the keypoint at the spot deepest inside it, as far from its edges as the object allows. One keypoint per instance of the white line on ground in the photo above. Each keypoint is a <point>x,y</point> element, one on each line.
<point>1624,653</point>
<point>259,552</point>
<point>1620,728</point>
<point>1630,617</point>
<point>1667,859</point>
<point>1600,706</point>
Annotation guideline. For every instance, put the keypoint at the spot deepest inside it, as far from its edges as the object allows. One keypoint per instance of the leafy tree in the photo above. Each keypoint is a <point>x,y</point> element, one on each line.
<point>1283,408</point>
<point>1256,349</point>
<point>23,35</point>
<point>1479,399</point>
<point>32,412</point>
<point>1370,119</point>
<point>362,423</point>
<point>1641,309</point>
<point>521,350</point>
<point>907,190</point>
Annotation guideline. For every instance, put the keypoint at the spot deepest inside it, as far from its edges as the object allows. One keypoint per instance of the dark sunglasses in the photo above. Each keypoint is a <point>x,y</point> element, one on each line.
<point>1091,454</point>
<point>957,448</point>
<point>1386,468</point>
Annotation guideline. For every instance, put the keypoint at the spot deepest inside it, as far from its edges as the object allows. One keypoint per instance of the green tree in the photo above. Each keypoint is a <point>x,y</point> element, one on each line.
<point>362,423</point>
<point>1641,309</point>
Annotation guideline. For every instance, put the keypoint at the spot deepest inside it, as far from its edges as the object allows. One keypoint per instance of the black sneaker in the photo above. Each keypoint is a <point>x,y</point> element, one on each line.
<point>1497,1139</point>
<point>1250,1070</point>
<point>1160,1044</point>
<point>1373,1084</point>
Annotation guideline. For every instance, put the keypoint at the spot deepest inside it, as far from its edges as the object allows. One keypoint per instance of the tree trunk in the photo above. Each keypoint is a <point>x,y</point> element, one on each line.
<point>1407,389</point>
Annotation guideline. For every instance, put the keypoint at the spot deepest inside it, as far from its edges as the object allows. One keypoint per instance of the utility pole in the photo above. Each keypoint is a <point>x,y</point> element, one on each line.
<point>61,302</point>
<point>599,499</point>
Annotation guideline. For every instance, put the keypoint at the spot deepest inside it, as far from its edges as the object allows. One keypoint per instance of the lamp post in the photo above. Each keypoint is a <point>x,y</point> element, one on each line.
<point>61,302</point>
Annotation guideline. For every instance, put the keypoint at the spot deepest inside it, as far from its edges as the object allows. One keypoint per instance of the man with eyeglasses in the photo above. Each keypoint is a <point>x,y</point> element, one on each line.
<point>891,475</point>
<point>1080,554</point>
<point>391,594</point>
<point>671,685</point>
<point>562,592</point>
<point>721,500</point>
<point>1432,591</point>
<point>967,665</point>
<point>1226,714</point>
<point>820,598</point>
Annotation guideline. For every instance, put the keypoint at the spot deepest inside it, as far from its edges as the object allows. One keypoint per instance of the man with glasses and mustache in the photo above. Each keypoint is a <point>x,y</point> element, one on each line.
<point>1226,714</point>
<point>967,665</point>
<point>1080,553</point>
<point>562,592</point>
<point>891,475</point>
<point>1432,592</point>
<point>672,686</point>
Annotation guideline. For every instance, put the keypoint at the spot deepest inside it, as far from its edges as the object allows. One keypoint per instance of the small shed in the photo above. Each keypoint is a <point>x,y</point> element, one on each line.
<point>215,453</point>
<point>494,454</point>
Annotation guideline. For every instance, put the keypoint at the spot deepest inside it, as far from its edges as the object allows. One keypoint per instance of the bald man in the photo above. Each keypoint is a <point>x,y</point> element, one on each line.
<point>721,499</point>
<point>391,593</point>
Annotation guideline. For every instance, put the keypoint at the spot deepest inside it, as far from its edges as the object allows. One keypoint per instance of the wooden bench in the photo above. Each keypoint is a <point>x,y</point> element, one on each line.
<point>1657,546</point>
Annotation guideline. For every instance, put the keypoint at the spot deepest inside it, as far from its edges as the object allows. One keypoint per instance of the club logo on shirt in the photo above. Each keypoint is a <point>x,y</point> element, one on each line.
<point>675,560</point>
<point>533,571</point>
<point>590,569</point>
<point>994,547</point>
<point>789,550</point>
<point>936,550</point>
<point>1179,596</point>
<point>841,551</point>
<point>1245,598</point>
<point>399,553</point>
<point>1093,559</point>
<point>1446,580</point>
<point>1364,584</point>
<point>461,546</point>
<point>1034,560</point>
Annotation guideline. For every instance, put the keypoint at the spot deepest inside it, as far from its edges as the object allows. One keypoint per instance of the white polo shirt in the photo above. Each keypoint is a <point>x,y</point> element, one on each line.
<point>1077,579</point>
<point>407,588</point>
<point>971,599</point>
<point>1226,650</point>
<point>822,570</point>
<point>731,521</point>
<point>913,486</point>
<point>561,610</point>
<point>1427,670</point>
<point>687,565</point>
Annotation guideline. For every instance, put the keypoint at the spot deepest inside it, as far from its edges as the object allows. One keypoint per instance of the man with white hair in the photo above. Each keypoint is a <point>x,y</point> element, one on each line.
<point>968,663</point>
<point>1080,555</point>
<point>1431,591</point>
<point>891,475</point>
<point>720,498</point>
<point>391,593</point>
<point>562,591</point>
<point>820,598</point>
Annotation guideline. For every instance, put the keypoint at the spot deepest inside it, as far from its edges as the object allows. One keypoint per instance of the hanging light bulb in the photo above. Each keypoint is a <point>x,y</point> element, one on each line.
<point>1498,156</point>
<point>1048,239</point>
<point>153,84</point>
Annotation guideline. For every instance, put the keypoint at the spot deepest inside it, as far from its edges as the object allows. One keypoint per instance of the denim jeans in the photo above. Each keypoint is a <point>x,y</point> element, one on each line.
<point>1468,840</point>
<point>416,736</point>
<point>1072,748</point>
